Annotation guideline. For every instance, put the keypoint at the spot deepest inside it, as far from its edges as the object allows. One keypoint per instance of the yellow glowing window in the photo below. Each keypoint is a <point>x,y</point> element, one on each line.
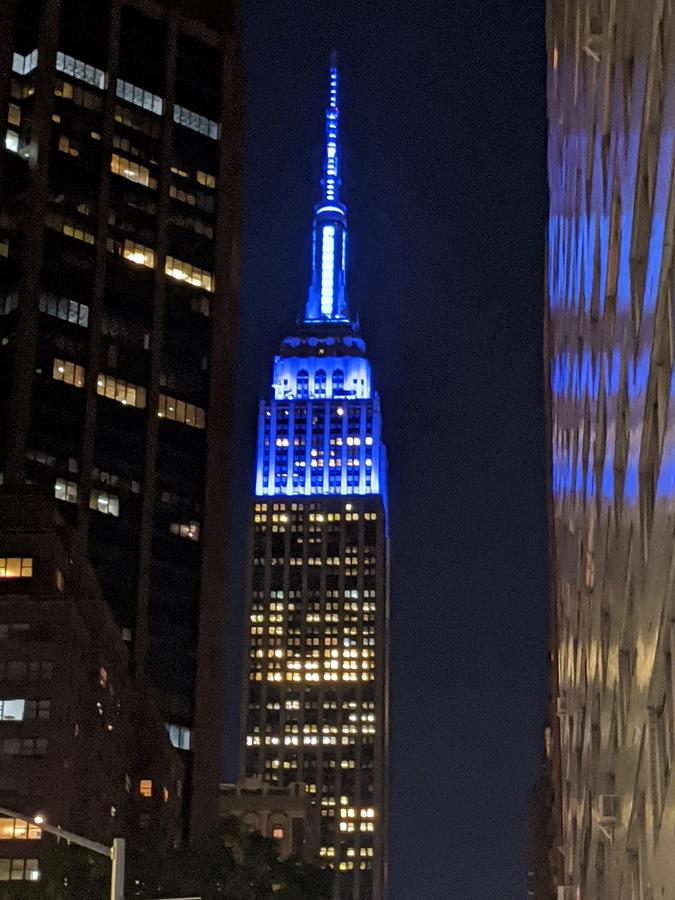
<point>18,830</point>
<point>132,171</point>
<point>278,833</point>
<point>139,254</point>
<point>202,177</point>
<point>180,411</point>
<point>68,372</point>
<point>184,271</point>
<point>122,391</point>
<point>145,787</point>
<point>14,114</point>
<point>16,566</point>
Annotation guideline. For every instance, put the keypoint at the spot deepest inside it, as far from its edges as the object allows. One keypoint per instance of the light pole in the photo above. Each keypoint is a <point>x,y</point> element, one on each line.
<point>115,853</point>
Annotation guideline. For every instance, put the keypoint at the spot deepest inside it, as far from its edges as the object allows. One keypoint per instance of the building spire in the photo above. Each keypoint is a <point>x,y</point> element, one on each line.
<point>331,174</point>
<point>326,301</point>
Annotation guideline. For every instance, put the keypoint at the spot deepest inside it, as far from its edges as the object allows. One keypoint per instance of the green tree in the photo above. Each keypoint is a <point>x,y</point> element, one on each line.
<point>227,863</point>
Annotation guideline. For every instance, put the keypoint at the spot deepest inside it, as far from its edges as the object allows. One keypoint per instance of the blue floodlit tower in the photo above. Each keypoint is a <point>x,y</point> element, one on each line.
<point>316,689</point>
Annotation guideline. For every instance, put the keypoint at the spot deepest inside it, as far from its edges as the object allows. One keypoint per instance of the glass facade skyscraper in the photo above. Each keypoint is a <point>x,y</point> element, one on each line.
<point>316,687</point>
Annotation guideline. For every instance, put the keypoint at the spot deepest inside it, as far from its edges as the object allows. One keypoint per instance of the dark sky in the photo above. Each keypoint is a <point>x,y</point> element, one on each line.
<point>443,136</point>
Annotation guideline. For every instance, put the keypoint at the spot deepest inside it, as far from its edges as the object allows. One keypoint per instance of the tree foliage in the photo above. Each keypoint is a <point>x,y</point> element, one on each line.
<point>228,863</point>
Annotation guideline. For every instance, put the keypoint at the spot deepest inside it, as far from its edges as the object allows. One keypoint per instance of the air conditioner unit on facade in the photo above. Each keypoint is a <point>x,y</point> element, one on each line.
<point>561,707</point>
<point>608,809</point>
<point>568,893</point>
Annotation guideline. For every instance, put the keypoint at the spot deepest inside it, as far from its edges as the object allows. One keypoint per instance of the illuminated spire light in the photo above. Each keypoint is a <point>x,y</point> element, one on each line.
<point>326,301</point>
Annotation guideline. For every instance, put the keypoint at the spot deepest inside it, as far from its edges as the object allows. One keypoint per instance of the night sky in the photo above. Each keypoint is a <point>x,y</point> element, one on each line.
<point>443,168</point>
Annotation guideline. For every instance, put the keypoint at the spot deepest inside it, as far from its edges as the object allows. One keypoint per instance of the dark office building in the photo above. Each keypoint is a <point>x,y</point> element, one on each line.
<point>71,716</point>
<point>118,301</point>
<point>316,691</point>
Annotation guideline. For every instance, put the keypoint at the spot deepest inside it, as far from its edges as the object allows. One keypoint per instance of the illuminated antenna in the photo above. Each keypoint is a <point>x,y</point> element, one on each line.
<point>326,301</point>
<point>331,177</point>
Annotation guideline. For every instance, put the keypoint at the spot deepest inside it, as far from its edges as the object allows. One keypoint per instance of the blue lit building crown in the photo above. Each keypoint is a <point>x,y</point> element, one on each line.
<point>321,432</point>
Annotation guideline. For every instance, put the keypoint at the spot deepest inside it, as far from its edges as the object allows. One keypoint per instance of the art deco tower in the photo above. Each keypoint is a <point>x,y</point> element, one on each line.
<point>316,688</point>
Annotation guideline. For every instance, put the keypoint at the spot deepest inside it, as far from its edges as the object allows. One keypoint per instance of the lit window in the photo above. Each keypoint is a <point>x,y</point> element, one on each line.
<point>24,65</point>
<point>139,254</point>
<point>136,95</point>
<point>12,141</point>
<point>180,411</point>
<point>65,490</point>
<point>80,70</point>
<point>12,710</point>
<point>180,736</point>
<point>132,171</point>
<point>188,530</point>
<point>202,178</point>
<point>70,228</point>
<point>145,787</point>
<point>184,271</point>
<point>65,309</point>
<point>14,114</point>
<point>122,391</point>
<point>68,146</point>
<point>278,832</point>
<point>196,122</point>
<point>19,870</point>
<point>69,372</point>
<point>103,502</point>
<point>18,830</point>
<point>16,566</point>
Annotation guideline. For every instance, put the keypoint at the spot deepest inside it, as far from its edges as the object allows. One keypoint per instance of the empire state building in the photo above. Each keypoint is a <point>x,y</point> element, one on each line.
<point>316,689</point>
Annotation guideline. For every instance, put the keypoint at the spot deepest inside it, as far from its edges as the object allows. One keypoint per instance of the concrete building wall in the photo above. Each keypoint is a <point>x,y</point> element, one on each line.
<point>609,342</point>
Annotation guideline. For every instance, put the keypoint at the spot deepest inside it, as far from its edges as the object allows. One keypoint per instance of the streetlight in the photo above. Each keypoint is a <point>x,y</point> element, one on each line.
<point>115,853</point>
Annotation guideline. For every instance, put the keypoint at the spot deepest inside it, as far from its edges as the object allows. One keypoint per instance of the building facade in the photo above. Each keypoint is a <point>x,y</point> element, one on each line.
<point>70,713</point>
<point>609,346</point>
<point>316,685</point>
<point>288,815</point>
<point>118,302</point>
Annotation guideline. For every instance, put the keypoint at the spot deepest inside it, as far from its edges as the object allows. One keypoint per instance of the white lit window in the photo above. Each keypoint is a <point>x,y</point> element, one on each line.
<point>196,122</point>
<point>188,530</point>
<point>63,308</point>
<point>65,490</point>
<point>80,70</point>
<point>136,95</point>
<point>16,566</point>
<point>180,736</point>
<point>104,502</point>
<point>12,710</point>
<point>12,141</point>
<point>24,65</point>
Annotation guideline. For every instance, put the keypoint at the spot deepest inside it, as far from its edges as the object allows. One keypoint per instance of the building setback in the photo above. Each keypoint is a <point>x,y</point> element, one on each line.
<point>118,303</point>
<point>316,686</point>
<point>609,345</point>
